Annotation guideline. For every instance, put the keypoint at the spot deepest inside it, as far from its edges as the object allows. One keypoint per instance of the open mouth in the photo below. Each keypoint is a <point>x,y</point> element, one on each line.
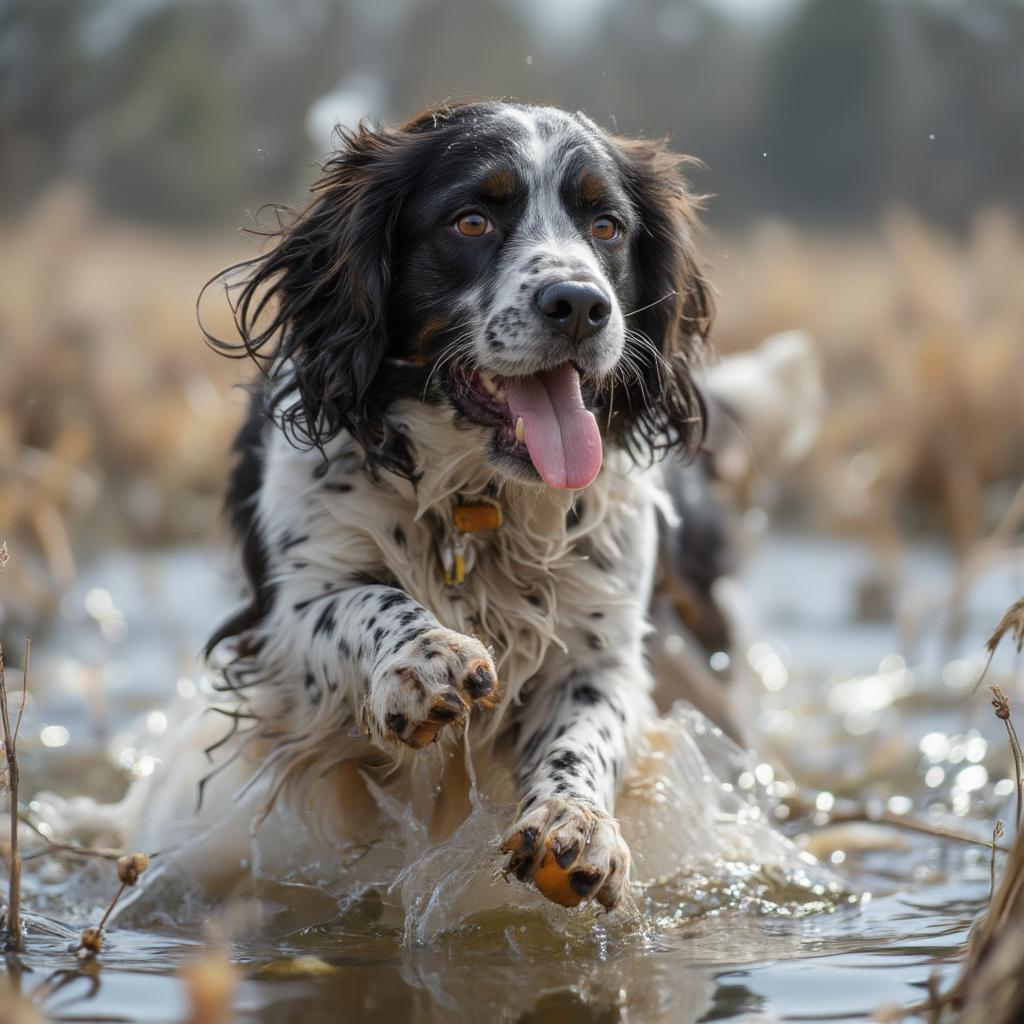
<point>540,419</point>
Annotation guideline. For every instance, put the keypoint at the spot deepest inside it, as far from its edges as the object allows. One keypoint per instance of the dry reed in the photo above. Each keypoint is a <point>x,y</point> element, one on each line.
<point>13,935</point>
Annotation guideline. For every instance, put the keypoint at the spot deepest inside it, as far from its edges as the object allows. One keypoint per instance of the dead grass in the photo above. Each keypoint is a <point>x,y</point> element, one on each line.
<point>13,931</point>
<point>989,988</point>
<point>114,417</point>
<point>921,343</point>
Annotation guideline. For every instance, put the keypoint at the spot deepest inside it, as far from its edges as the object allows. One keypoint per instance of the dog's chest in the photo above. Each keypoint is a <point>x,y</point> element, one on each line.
<point>534,584</point>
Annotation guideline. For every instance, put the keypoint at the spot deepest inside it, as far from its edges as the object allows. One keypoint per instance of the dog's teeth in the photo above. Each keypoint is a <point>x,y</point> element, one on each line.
<point>499,395</point>
<point>489,386</point>
<point>520,429</point>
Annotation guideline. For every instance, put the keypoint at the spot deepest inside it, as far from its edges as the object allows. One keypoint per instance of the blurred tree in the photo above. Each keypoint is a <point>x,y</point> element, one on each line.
<point>824,126</point>
<point>196,110</point>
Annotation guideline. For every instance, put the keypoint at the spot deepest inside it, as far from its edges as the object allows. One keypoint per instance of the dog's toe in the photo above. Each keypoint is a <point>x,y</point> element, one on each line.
<point>571,853</point>
<point>431,684</point>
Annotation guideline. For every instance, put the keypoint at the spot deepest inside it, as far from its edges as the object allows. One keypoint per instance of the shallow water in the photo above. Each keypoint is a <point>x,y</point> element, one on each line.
<point>840,712</point>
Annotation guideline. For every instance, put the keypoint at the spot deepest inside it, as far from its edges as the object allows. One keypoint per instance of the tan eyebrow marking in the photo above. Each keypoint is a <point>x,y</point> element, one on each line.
<point>591,187</point>
<point>498,184</point>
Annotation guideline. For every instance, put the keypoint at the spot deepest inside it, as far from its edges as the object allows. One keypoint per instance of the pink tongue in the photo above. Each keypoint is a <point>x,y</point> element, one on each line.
<point>561,435</point>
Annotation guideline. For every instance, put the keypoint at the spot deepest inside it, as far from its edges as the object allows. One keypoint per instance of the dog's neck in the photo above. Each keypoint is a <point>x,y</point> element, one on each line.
<point>451,470</point>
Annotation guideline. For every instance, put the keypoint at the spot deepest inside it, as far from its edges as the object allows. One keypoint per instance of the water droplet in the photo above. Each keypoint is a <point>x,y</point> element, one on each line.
<point>54,736</point>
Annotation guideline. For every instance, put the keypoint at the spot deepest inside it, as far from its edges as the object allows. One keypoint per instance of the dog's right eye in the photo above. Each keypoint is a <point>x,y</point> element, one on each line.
<point>473,224</point>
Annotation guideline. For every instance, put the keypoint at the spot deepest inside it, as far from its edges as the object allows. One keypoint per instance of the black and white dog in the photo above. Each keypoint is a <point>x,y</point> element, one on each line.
<point>477,342</point>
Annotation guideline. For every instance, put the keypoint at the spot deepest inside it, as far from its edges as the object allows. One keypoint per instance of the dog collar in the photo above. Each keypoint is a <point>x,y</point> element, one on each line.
<point>481,517</point>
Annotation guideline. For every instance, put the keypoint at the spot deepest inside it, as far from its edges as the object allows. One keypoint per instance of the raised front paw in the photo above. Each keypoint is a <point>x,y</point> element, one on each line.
<point>429,683</point>
<point>571,852</point>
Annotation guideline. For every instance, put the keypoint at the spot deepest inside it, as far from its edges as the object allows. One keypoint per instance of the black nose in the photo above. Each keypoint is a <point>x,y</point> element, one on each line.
<point>574,308</point>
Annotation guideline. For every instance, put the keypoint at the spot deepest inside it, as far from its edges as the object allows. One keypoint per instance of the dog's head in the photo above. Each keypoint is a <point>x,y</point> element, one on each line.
<point>515,263</point>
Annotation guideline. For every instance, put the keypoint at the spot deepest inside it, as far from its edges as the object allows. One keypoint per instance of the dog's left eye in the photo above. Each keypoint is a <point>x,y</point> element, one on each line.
<point>605,229</point>
<point>473,224</point>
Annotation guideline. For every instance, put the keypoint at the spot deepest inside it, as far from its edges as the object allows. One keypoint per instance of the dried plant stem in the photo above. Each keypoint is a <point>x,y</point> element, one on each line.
<point>1012,622</point>
<point>1001,704</point>
<point>903,822</point>
<point>14,940</point>
<point>997,833</point>
<point>64,846</point>
<point>924,827</point>
<point>110,908</point>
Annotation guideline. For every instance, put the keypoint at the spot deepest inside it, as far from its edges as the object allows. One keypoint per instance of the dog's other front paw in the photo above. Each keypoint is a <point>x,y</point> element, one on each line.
<point>429,683</point>
<point>571,852</point>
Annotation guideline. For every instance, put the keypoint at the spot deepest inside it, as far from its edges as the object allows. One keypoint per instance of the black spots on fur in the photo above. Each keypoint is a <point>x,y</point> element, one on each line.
<point>597,615</point>
<point>407,637</point>
<point>326,621</point>
<point>409,617</point>
<point>566,761</point>
<point>594,642</point>
<point>533,599</point>
<point>301,606</point>
<point>399,534</point>
<point>378,635</point>
<point>605,733</point>
<point>534,742</point>
<point>339,488</point>
<point>371,622</point>
<point>586,694</point>
<point>391,599</point>
<point>561,730</point>
<point>343,648</point>
<point>370,578</point>
<point>289,540</point>
<point>310,680</point>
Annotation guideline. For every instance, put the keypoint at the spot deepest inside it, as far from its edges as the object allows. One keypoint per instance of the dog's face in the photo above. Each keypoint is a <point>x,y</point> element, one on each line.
<point>513,262</point>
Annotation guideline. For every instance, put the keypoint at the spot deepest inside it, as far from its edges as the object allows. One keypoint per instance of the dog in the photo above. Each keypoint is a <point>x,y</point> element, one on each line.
<point>478,346</point>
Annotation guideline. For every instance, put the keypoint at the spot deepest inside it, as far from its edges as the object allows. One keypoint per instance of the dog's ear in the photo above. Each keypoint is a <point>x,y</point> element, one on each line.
<point>668,322</point>
<point>312,312</point>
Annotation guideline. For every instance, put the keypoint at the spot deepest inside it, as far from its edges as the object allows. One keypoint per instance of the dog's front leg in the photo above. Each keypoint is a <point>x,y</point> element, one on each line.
<point>571,751</point>
<point>379,651</point>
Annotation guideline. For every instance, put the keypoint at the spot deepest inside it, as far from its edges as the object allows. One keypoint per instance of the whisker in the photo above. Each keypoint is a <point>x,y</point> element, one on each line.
<point>667,295</point>
<point>458,346</point>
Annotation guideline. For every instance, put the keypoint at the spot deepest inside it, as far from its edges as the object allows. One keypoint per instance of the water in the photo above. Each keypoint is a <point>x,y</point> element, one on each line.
<point>712,936</point>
